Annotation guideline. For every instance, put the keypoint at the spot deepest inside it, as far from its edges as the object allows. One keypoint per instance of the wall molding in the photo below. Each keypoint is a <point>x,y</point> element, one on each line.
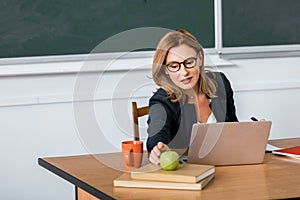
<point>252,52</point>
<point>266,86</point>
<point>49,65</point>
<point>112,62</point>
<point>143,94</point>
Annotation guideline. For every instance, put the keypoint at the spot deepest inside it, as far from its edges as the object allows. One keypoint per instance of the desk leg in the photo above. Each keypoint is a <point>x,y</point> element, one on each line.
<point>83,195</point>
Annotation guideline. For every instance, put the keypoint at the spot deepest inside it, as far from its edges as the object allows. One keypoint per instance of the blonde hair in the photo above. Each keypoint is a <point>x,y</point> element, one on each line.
<point>174,39</point>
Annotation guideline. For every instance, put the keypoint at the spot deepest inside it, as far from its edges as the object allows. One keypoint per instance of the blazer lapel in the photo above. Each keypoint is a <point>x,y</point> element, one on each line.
<point>218,107</point>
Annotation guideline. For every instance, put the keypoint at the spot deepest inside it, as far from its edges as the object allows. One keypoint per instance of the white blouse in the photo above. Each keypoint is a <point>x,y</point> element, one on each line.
<point>211,118</point>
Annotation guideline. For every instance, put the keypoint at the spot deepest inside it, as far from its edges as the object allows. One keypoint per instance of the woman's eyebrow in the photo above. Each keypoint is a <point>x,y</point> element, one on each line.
<point>182,60</point>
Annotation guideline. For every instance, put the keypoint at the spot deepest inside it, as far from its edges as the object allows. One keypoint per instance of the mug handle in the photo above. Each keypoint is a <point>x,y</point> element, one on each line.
<point>128,157</point>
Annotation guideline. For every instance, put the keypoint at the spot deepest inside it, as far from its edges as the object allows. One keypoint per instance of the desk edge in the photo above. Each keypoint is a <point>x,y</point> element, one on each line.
<point>75,181</point>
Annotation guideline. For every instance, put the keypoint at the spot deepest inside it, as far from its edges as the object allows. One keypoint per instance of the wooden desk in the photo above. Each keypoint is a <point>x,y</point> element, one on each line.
<point>277,178</point>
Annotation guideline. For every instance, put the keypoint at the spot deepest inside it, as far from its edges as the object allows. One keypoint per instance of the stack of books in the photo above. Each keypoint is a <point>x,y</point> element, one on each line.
<point>185,177</point>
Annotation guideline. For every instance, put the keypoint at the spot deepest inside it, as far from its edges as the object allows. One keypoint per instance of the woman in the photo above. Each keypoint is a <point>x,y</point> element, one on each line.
<point>187,94</point>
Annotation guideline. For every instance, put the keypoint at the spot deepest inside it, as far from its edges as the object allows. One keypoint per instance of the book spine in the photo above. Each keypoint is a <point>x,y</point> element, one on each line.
<point>160,177</point>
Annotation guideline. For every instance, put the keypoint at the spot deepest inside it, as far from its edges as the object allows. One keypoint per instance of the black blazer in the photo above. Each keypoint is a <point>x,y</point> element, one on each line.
<point>171,123</point>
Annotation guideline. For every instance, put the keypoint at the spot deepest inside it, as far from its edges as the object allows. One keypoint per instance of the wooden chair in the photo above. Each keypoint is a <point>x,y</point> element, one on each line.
<point>136,113</point>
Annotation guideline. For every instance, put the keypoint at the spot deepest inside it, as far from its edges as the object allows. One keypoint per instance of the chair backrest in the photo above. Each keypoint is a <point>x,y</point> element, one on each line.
<point>136,113</point>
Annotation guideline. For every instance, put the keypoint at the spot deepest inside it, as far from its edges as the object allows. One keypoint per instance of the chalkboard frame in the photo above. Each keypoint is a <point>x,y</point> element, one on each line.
<point>242,49</point>
<point>218,47</point>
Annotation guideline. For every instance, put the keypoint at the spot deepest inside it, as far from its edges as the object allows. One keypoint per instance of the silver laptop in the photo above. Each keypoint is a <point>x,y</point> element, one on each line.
<point>229,143</point>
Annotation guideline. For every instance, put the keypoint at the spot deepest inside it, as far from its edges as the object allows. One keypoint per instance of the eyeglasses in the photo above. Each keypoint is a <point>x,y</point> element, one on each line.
<point>187,63</point>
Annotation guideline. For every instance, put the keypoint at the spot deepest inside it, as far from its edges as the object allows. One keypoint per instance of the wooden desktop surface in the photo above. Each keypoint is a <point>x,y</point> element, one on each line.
<point>277,178</point>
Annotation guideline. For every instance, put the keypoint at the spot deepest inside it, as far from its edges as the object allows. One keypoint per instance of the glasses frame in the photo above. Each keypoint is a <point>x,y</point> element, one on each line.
<point>183,62</point>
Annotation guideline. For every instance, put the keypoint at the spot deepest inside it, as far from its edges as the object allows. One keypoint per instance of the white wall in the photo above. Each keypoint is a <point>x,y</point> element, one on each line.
<point>268,88</point>
<point>37,115</point>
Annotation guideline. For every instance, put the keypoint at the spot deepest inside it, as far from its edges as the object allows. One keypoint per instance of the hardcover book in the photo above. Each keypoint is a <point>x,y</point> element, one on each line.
<point>126,181</point>
<point>185,173</point>
<point>291,152</point>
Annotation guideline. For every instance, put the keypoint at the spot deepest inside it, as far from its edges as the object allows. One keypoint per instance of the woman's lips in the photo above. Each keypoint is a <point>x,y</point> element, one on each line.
<point>186,80</point>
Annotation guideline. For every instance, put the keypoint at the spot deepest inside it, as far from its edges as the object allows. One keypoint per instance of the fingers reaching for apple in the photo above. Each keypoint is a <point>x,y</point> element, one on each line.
<point>156,152</point>
<point>162,147</point>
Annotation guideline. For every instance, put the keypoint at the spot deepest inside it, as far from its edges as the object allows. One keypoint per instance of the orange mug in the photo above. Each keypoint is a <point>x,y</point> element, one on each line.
<point>132,154</point>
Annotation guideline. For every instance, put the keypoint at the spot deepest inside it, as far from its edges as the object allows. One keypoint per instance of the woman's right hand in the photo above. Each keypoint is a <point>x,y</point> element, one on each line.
<point>156,151</point>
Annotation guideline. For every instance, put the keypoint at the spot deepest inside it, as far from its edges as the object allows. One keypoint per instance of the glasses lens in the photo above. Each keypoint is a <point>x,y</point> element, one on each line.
<point>190,62</point>
<point>173,67</point>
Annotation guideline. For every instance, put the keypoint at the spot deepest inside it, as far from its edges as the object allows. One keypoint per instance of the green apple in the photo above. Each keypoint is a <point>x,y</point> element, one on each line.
<point>169,160</point>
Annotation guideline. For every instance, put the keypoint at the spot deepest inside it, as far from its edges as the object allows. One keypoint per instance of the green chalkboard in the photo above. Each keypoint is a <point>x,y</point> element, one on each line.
<point>60,27</point>
<point>260,22</point>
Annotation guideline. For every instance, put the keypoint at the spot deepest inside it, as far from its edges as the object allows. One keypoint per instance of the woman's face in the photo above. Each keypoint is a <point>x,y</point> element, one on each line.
<point>185,78</point>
